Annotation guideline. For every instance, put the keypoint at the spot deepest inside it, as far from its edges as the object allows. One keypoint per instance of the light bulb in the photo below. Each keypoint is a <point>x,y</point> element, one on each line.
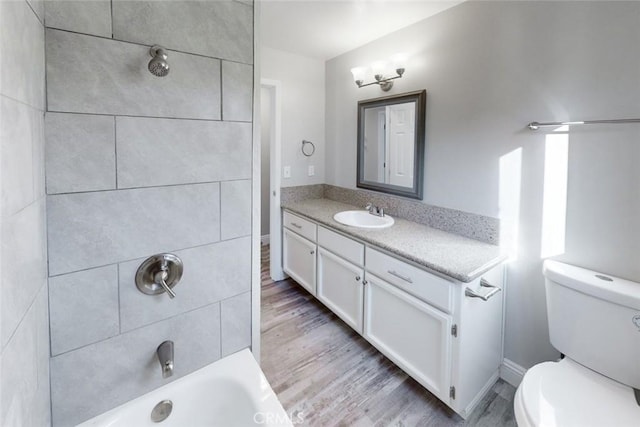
<point>379,68</point>
<point>358,74</point>
<point>399,60</point>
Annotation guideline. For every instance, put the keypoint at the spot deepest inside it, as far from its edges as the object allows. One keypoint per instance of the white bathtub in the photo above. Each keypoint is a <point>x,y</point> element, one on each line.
<point>230,392</point>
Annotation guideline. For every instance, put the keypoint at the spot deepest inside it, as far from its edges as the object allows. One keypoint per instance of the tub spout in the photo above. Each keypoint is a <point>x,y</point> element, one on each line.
<point>165,357</point>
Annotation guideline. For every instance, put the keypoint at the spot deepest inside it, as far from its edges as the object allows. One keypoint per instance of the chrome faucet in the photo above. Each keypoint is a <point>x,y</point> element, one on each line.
<point>374,210</point>
<point>165,357</point>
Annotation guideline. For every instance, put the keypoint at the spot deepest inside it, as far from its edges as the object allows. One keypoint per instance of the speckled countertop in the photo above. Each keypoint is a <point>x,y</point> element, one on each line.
<point>455,256</point>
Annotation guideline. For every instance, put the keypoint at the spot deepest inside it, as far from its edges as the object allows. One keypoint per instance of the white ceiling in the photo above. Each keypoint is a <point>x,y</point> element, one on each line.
<point>324,29</point>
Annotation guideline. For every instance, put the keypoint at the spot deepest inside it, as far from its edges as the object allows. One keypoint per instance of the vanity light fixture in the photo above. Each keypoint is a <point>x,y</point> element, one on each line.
<point>378,69</point>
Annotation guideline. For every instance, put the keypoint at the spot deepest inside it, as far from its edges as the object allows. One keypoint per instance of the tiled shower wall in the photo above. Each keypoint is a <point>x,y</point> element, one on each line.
<point>24,332</point>
<point>139,165</point>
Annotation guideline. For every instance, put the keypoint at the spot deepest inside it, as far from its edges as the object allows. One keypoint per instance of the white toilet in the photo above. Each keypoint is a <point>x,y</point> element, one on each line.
<point>594,320</point>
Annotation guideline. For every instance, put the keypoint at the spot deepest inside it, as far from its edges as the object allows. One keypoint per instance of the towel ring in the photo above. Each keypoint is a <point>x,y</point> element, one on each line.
<point>313,148</point>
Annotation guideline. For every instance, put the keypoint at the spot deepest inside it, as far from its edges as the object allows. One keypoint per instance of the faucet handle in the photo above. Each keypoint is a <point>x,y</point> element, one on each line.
<point>161,279</point>
<point>159,274</point>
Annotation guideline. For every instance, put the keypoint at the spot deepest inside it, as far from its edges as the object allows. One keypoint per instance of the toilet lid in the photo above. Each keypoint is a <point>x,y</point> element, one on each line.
<point>565,393</point>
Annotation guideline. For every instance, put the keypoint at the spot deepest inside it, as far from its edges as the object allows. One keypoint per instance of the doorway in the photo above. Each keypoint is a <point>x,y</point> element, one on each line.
<point>270,119</point>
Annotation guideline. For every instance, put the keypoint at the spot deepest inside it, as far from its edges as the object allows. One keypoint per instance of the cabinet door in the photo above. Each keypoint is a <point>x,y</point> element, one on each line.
<point>413,334</point>
<point>299,260</point>
<point>340,287</point>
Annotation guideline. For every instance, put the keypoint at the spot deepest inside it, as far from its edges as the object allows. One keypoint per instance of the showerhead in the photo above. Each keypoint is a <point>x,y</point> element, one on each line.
<point>158,65</point>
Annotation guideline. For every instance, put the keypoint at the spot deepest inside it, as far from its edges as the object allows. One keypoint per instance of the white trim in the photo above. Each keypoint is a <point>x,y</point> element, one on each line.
<point>255,191</point>
<point>512,372</point>
<point>275,216</point>
<point>264,240</point>
<point>485,389</point>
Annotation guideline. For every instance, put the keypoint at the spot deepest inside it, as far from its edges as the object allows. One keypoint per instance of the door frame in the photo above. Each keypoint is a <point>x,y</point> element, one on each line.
<point>275,160</point>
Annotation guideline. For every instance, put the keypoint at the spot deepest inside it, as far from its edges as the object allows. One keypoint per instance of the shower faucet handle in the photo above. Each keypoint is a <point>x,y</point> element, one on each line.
<point>159,274</point>
<point>161,279</point>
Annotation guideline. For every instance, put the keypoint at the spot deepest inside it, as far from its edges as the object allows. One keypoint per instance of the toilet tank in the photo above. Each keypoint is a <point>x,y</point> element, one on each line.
<point>594,319</point>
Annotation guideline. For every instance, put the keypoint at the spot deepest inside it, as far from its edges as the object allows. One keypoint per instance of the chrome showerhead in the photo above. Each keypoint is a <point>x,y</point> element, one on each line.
<point>158,65</point>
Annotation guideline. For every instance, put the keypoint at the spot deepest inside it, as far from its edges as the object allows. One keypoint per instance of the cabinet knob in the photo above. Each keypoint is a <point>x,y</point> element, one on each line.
<point>312,252</point>
<point>357,278</point>
<point>364,282</point>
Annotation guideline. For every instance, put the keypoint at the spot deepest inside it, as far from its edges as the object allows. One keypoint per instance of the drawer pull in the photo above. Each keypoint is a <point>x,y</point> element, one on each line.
<point>296,225</point>
<point>400,276</point>
<point>483,283</point>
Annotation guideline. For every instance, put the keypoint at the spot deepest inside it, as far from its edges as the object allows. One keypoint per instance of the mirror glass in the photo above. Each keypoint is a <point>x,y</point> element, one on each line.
<point>391,144</point>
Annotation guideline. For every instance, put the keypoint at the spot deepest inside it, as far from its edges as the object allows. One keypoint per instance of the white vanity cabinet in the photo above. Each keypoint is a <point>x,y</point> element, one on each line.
<point>444,333</point>
<point>448,341</point>
<point>340,276</point>
<point>299,250</point>
<point>410,332</point>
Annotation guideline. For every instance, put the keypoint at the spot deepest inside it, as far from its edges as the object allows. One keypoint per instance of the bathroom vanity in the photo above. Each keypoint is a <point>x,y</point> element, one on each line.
<point>429,300</point>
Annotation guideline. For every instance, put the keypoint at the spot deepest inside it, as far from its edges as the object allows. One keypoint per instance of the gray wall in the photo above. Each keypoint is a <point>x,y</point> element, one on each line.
<point>490,68</point>
<point>24,332</point>
<point>301,111</point>
<point>138,165</point>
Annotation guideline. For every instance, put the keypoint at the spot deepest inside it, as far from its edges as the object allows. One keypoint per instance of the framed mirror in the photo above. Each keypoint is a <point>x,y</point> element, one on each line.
<point>391,144</point>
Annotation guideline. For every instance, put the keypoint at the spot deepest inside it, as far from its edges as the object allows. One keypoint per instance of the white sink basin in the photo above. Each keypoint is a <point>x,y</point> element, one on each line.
<point>363,219</point>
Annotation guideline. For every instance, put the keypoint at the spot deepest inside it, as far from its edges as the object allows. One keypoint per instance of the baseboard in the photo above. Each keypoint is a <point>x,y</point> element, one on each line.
<point>512,372</point>
<point>264,240</point>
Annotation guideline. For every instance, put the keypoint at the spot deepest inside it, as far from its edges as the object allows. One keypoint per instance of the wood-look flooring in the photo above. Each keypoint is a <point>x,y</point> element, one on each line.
<point>326,374</point>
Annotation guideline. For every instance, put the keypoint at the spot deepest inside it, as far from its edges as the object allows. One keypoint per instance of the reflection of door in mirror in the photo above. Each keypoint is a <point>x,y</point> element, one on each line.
<point>400,134</point>
<point>388,144</point>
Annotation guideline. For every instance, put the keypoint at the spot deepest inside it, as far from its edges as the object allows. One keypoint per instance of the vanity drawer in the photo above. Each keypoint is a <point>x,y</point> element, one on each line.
<point>303,227</point>
<point>342,246</point>
<point>423,285</point>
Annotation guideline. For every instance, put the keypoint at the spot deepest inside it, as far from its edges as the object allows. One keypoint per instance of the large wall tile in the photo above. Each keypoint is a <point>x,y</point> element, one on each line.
<point>20,372</point>
<point>38,8</point>
<point>237,91</point>
<point>94,75</point>
<point>80,153</point>
<point>235,218</point>
<point>23,269</point>
<point>222,29</point>
<point>94,229</point>
<point>169,151</point>
<point>21,138</point>
<point>93,379</point>
<point>84,308</point>
<point>24,364</point>
<point>42,407</point>
<point>22,59</point>
<point>211,273</point>
<point>89,17</point>
<point>236,323</point>
<point>38,153</point>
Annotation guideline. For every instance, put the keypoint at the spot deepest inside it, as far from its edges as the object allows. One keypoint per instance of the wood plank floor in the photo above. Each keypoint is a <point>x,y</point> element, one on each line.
<point>326,374</point>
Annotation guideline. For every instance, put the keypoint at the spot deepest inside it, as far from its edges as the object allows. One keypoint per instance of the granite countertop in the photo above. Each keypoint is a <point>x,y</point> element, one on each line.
<point>455,256</point>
